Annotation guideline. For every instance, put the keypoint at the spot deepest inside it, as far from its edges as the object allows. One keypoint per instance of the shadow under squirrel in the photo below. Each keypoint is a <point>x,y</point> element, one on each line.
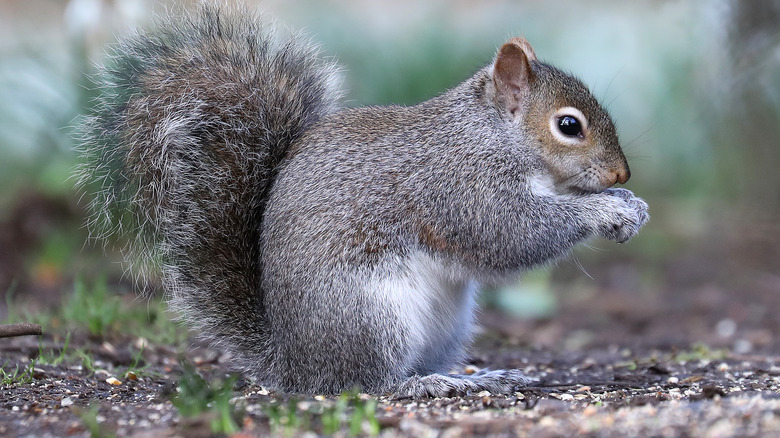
<point>329,248</point>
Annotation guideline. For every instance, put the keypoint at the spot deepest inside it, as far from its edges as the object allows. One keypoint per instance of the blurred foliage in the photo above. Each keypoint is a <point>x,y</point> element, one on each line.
<point>94,308</point>
<point>694,91</point>
<point>198,397</point>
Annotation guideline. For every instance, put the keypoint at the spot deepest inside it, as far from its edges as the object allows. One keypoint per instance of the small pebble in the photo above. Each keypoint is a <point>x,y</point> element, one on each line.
<point>692,379</point>
<point>726,328</point>
<point>65,402</point>
<point>742,346</point>
<point>113,381</point>
<point>109,347</point>
<point>589,411</point>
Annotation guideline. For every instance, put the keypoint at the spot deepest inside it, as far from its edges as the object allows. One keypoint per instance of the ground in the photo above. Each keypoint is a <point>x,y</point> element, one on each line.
<point>605,365</point>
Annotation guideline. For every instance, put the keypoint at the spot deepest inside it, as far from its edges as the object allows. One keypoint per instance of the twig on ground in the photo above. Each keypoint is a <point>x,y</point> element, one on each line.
<point>20,329</point>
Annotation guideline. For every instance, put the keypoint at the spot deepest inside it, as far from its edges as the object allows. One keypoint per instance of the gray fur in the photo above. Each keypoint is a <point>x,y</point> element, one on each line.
<point>329,249</point>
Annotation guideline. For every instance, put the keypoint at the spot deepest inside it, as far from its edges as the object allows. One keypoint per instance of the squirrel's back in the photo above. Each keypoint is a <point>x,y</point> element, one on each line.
<point>192,121</point>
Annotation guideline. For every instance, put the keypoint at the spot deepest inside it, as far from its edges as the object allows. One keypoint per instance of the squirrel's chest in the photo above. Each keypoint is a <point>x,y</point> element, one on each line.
<point>433,303</point>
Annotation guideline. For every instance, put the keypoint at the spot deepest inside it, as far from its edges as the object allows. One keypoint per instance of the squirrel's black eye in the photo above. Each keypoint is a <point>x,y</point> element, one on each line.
<point>570,126</point>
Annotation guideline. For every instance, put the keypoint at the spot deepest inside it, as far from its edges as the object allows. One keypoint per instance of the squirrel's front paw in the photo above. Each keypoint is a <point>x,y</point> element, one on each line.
<point>629,214</point>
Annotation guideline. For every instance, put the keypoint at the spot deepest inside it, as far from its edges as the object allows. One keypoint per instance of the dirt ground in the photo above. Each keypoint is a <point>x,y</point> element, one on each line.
<point>639,387</point>
<point>609,367</point>
<point>693,351</point>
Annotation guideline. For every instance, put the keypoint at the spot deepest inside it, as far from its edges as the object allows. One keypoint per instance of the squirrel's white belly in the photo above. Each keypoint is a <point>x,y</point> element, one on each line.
<point>434,305</point>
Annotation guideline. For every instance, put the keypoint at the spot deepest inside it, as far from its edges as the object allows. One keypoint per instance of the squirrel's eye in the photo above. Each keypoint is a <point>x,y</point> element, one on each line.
<point>569,125</point>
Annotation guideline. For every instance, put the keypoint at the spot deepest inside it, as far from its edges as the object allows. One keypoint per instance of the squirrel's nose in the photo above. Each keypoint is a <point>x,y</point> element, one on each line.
<point>621,175</point>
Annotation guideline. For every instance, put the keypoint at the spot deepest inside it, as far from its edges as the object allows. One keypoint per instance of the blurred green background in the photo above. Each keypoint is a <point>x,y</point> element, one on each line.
<point>693,86</point>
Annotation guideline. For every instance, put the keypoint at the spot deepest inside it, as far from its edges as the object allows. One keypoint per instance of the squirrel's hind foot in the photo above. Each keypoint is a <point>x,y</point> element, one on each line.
<point>452,385</point>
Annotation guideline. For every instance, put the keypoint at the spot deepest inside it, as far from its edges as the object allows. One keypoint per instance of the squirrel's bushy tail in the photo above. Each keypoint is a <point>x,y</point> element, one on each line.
<point>192,119</point>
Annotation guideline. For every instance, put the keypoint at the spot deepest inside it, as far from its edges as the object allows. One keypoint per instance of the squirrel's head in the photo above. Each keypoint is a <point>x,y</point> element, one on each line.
<point>574,134</point>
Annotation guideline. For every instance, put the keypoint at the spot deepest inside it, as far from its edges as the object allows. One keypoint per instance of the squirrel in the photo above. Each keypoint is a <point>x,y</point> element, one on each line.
<point>328,248</point>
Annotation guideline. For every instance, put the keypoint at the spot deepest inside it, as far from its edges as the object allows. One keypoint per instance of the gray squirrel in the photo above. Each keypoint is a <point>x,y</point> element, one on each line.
<point>329,248</point>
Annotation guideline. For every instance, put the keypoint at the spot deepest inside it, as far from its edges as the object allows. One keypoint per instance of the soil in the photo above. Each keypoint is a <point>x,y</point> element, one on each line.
<point>692,351</point>
<point>611,366</point>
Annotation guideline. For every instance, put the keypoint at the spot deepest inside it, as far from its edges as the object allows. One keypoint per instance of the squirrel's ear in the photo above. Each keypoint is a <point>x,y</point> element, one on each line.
<point>512,72</point>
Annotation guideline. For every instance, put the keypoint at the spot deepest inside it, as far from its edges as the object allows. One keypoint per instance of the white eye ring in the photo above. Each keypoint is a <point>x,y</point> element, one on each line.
<point>560,136</point>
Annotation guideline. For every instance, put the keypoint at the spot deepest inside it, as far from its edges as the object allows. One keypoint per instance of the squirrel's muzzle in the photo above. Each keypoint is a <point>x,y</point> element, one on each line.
<point>621,175</point>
